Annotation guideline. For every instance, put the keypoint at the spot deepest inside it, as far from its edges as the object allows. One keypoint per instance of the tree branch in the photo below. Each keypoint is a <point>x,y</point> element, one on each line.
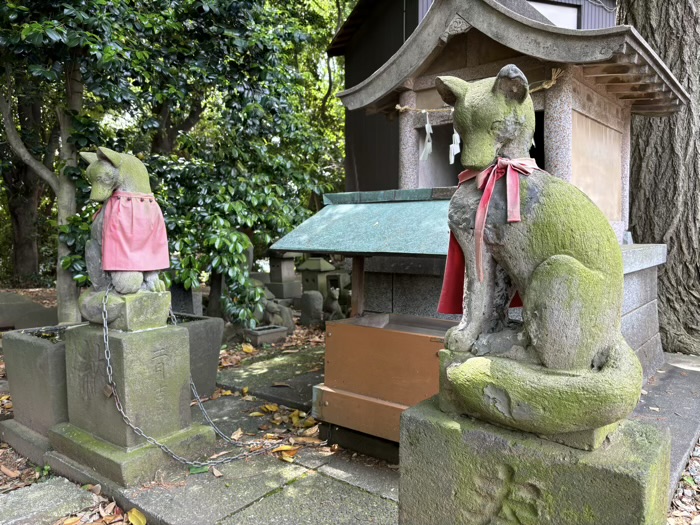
<point>16,143</point>
<point>51,147</point>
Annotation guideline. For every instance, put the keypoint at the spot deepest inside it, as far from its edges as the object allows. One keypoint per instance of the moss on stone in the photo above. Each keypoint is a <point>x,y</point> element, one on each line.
<point>460,471</point>
<point>537,399</point>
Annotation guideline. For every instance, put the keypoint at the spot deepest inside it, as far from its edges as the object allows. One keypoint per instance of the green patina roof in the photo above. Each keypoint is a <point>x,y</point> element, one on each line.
<point>394,222</point>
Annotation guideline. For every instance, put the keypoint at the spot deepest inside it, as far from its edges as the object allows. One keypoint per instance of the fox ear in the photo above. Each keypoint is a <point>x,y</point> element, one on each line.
<point>512,83</point>
<point>451,89</point>
<point>114,158</point>
<point>88,156</point>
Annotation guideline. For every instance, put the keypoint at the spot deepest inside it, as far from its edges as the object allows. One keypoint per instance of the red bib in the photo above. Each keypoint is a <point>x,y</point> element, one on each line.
<point>133,234</point>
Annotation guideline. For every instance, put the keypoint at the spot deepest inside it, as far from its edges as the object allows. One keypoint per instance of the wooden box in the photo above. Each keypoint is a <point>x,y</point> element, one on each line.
<point>376,367</point>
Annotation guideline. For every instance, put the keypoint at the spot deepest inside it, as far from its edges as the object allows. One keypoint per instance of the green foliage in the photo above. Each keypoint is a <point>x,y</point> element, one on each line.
<point>230,103</point>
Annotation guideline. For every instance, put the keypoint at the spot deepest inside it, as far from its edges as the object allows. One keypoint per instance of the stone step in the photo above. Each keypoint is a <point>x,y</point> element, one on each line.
<point>43,503</point>
<point>672,400</point>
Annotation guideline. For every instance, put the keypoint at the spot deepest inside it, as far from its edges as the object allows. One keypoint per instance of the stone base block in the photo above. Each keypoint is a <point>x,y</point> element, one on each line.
<point>35,361</point>
<point>128,313</point>
<point>152,374</point>
<point>266,335</point>
<point>461,471</point>
<point>24,440</point>
<point>206,334</point>
<point>127,467</point>
<point>285,290</point>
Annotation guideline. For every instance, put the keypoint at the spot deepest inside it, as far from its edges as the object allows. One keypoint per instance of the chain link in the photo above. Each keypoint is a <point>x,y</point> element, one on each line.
<point>138,431</point>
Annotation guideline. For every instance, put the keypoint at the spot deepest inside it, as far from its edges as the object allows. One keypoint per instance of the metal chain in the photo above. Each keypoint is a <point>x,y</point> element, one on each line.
<point>138,431</point>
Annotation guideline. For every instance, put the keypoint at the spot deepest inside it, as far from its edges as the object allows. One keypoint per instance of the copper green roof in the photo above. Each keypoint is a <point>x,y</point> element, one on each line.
<point>395,222</point>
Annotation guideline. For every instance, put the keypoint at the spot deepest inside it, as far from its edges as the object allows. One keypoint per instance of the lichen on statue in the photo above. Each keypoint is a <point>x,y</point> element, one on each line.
<point>514,228</point>
<point>128,243</point>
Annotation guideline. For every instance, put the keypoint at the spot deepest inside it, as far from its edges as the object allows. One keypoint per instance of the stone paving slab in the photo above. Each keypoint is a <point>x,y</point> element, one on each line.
<point>317,499</point>
<point>674,391</point>
<point>298,394</point>
<point>364,472</point>
<point>300,370</point>
<point>43,503</point>
<point>229,413</point>
<point>205,500</point>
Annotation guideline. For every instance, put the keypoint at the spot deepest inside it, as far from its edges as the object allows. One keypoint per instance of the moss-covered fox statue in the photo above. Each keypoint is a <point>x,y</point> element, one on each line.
<point>566,368</point>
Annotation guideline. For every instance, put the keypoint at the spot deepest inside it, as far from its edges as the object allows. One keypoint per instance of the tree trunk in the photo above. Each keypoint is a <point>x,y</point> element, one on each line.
<point>665,173</point>
<point>216,289</point>
<point>164,140</point>
<point>23,203</point>
<point>66,288</point>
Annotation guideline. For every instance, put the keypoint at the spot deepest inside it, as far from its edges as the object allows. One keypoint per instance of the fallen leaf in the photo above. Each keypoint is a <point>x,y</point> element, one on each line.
<point>312,431</point>
<point>285,457</point>
<point>264,427</point>
<point>136,517</point>
<point>216,472</point>
<point>9,472</point>
<point>247,398</point>
<point>309,422</point>
<point>237,434</point>
<point>655,409</point>
<point>270,408</point>
<point>96,489</point>
<point>72,521</point>
<point>244,390</point>
<point>281,384</point>
<point>248,348</point>
<point>308,440</point>
<point>199,470</point>
<point>108,509</point>
<point>256,414</point>
<point>219,454</point>
<point>285,448</point>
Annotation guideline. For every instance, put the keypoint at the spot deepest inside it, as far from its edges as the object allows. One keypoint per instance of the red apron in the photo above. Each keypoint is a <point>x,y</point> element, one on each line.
<point>133,234</point>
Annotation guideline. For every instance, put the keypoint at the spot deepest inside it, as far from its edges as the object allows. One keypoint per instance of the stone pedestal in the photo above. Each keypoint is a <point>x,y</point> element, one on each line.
<point>461,471</point>
<point>36,370</point>
<point>151,371</point>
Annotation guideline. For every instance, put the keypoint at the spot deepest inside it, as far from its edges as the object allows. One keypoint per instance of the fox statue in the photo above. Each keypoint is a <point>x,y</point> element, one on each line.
<point>128,243</point>
<point>515,228</point>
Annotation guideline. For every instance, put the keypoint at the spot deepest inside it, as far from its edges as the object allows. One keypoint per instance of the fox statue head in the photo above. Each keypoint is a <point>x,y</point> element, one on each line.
<point>494,116</point>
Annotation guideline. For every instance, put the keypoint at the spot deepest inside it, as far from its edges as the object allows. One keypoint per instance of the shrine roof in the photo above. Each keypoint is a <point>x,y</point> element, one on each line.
<point>394,222</point>
<point>617,58</point>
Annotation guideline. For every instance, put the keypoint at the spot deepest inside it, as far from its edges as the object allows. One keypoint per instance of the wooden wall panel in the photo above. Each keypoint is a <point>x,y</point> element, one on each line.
<point>597,164</point>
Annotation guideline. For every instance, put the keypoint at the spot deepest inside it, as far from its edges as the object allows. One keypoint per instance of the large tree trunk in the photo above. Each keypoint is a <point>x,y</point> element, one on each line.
<point>66,288</point>
<point>665,171</point>
<point>23,204</point>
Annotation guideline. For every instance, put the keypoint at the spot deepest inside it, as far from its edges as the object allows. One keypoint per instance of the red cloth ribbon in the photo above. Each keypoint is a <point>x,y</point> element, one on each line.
<point>452,296</point>
<point>133,234</point>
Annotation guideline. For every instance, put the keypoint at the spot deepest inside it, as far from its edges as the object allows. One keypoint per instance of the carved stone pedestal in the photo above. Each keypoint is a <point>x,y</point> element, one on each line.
<point>151,371</point>
<point>462,471</point>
